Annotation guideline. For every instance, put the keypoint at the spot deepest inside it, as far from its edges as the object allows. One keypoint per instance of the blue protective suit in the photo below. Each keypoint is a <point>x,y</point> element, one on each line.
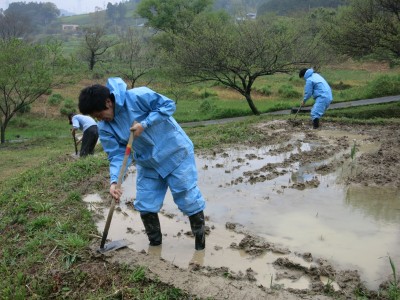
<point>163,153</point>
<point>317,87</point>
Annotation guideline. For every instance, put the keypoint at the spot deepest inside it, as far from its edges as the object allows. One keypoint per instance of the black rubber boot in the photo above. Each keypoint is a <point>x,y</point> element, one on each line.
<point>198,228</point>
<point>315,123</point>
<point>153,229</point>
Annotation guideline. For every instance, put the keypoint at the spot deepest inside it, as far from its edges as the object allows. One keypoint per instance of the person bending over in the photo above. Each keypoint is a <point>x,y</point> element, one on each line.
<point>316,87</point>
<point>90,133</point>
<point>163,152</point>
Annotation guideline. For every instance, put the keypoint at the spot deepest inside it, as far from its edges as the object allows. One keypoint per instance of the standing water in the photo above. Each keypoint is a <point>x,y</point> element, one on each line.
<point>292,205</point>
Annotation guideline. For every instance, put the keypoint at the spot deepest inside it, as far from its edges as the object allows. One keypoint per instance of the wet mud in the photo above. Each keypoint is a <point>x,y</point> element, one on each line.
<point>310,214</point>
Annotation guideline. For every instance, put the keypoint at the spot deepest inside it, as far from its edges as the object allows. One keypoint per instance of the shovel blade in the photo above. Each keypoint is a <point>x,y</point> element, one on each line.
<point>114,245</point>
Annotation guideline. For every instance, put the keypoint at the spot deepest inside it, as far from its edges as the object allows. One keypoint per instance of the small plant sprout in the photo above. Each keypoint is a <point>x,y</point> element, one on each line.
<point>353,150</point>
<point>394,288</point>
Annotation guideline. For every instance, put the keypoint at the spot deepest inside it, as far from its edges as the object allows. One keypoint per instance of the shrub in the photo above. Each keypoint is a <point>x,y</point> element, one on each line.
<point>68,107</point>
<point>24,109</point>
<point>340,86</point>
<point>287,91</point>
<point>207,106</point>
<point>208,94</point>
<point>55,99</point>
<point>265,90</point>
<point>384,85</point>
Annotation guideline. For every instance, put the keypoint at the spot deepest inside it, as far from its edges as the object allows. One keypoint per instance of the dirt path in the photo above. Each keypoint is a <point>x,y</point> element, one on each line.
<point>377,167</point>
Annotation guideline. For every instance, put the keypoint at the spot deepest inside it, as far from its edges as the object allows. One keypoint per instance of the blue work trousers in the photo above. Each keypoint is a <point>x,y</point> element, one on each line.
<point>319,107</point>
<point>151,188</point>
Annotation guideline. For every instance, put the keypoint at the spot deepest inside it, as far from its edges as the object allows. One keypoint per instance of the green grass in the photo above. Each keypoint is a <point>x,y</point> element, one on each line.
<point>45,233</point>
<point>372,113</point>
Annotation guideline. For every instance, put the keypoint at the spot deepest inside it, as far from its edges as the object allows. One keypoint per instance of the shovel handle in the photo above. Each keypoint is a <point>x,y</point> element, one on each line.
<point>301,105</point>
<point>76,147</point>
<point>119,183</point>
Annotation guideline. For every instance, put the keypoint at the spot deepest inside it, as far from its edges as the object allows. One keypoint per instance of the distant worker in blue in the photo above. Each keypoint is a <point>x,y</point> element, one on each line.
<point>163,152</point>
<point>90,133</point>
<point>317,87</point>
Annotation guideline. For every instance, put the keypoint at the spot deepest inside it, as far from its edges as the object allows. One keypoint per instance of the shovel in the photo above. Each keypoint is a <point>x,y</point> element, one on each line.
<point>76,146</point>
<point>293,121</point>
<point>114,245</point>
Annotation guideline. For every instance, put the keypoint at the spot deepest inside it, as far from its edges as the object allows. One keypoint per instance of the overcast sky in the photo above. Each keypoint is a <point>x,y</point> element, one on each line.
<point>75,6</point>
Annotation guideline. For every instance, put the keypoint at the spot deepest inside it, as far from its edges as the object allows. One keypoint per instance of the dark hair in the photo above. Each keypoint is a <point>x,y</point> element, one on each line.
<point>93,99</point>
<point>302,72</point>
<point>70,115</point>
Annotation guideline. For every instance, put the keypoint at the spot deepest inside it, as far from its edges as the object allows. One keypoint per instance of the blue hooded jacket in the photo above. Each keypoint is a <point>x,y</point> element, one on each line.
<point>161,147</point>
<point>317,87</point>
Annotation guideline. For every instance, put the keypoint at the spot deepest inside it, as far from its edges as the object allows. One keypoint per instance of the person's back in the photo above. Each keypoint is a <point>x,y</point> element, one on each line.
<point>90,132</point>
<point>82,122</point>
<point>320,86</point>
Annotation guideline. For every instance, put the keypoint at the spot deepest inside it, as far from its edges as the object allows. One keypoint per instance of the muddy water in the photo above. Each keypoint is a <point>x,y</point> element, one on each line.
<point>351,227</point>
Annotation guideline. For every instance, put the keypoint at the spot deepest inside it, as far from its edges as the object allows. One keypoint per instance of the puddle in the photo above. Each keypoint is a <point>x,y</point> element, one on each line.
<point>354,228</point>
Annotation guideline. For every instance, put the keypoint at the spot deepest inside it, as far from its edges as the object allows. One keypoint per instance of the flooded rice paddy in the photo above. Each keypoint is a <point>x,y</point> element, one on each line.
<point>288,201</point>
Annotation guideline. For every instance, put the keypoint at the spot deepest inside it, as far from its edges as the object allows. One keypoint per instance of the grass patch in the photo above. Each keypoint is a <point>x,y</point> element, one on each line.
<point>374,112</point>
<point>45,233</point>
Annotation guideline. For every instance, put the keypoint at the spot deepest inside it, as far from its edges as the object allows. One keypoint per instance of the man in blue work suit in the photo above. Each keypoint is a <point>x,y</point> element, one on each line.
<point>163,152</point>
<point>317,87</point>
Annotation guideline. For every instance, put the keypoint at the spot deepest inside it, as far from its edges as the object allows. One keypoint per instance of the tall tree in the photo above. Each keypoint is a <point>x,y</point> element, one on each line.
<point>134,56</point>
<point>171,15</point>
<point>286,7</point>
<point>28,71</point>
<point>14,25</point>
<point>236,54</point>
<point>94,45</point>
<point>367,27</point>
<point>39,14</point>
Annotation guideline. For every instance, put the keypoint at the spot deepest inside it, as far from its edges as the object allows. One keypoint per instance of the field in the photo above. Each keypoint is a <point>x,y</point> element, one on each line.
<point>48,232</point>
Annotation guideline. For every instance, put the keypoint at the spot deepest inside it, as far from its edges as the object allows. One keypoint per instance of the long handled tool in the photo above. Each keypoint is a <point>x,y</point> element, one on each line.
<point>114,245</point>
<point>75,144</point>
<point>293,120</point>
<point>301,105</point>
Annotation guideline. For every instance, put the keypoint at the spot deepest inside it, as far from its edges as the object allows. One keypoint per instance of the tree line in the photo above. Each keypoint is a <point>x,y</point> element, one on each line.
<point>190,41</point>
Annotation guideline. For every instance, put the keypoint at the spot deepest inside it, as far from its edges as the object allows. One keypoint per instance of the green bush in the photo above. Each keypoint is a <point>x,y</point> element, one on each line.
<point>208,94</point>
<point>207,106</point>
<point>340,86</point>
<point>55,99</point>
<point>384,85</point>
<point>287,91</point>
<point>265,90</point>
<point>68,107</point>
<point>25,109</point>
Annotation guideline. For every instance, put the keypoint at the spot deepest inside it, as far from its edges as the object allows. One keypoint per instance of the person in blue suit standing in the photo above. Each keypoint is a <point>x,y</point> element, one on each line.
<point>163,152</point>
<point>318,88</point>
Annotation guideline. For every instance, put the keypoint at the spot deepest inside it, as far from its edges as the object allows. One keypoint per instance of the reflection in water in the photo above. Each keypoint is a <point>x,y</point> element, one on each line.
<point>198,257</point>
<point>382,204</point>
<point>155,251</point>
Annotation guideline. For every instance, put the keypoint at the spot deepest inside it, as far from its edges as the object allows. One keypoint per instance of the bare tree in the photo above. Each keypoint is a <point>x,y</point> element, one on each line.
<point>134,56</point>
<point>235,55</point>
<point>95,45</point>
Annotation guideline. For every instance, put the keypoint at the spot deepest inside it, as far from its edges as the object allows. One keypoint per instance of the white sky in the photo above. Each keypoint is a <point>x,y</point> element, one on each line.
<point>75,6</point>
